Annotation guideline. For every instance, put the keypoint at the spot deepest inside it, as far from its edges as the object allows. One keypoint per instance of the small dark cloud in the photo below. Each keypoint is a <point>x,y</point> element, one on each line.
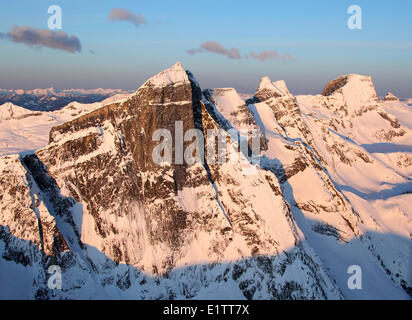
<point>120,14</point>
<point>266,55</point>
<point>216,47</point>
<point>43,38</point>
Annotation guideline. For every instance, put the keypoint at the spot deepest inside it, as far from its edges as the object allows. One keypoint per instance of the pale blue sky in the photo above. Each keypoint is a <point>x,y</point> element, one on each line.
<point>315,33</point>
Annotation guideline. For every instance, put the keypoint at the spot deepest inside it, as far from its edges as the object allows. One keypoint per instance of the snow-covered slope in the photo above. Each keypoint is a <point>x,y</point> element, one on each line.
<point>25,130</point>
<point>366,147</point>
<point>94,202</point>
<point>10,111</point>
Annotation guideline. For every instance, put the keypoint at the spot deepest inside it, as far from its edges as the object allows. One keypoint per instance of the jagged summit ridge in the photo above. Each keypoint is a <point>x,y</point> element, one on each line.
<point>268,90</point>
<point>277,87</point>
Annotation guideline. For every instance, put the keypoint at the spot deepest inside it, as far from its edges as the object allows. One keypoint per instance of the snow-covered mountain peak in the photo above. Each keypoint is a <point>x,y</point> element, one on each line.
<point>174,75</point>
<point>46,91</point>
<point>265,83</point>
<point>268,89</point>
<point>170,86</point>
<point>356,91</point>
<point>228,93</point>
<point>391,97</point>
<point>9,111</point>
<point>281,85</point>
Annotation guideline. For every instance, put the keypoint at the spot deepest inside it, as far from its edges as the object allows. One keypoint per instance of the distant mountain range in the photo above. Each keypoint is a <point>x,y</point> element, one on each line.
<point>51,99</point>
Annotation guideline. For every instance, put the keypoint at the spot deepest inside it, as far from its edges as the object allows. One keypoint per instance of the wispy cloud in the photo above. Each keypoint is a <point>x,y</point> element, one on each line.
<point>43,38</point>
<point>266,55</point>
<point>234,53</point>
<point>216,47</point>
<point>120,14</point>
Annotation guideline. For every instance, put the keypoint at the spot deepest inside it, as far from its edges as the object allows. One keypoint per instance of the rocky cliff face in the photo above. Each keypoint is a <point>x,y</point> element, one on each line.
<point>120,225</point>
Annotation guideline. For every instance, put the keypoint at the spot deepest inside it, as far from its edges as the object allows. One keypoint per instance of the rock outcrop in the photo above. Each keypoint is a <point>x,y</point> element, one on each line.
<point>391,97</point>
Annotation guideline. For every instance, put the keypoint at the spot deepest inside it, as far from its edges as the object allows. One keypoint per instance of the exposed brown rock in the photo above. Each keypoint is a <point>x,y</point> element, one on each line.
<point>334,85</point>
